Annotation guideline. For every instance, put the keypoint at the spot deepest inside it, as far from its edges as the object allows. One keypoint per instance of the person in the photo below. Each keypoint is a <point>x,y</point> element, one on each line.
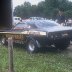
<point>61,17</point>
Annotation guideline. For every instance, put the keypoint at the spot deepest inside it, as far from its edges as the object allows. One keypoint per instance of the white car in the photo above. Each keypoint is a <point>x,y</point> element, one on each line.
<point>16,20</point>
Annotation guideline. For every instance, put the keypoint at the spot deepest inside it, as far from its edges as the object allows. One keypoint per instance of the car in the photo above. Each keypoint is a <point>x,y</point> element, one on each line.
<point>69,23</point>
<point>36,34</point>
<point>16,20</point>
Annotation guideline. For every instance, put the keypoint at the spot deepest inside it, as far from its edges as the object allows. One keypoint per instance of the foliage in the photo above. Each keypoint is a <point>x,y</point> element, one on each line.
<point>47,8</point>
<point>68,14</point>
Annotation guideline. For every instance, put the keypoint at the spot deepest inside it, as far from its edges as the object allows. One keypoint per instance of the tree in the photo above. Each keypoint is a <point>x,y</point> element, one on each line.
<point>47,8</point>
<point>23,11</point>
<point>40,8</point>
<point>18,11</point>
<point>34,11</point>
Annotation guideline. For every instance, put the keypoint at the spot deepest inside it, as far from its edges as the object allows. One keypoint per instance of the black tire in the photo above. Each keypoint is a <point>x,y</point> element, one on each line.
<point>32,46</point>
<point>62,45</point>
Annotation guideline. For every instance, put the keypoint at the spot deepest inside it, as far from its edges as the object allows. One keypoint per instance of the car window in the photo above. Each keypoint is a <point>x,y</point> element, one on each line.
<point>21,26</point>
<point>18,18</point>
<point>15,18</point>
<point>24,26</point>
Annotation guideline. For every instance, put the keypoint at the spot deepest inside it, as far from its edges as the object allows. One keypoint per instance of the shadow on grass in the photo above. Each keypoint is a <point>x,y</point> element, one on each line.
<point>41,50</point>
<point>19,46</point>
<point>49,49</point>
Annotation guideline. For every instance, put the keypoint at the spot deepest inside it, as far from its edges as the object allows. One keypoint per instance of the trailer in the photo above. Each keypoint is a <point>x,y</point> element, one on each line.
<point>6,15</point>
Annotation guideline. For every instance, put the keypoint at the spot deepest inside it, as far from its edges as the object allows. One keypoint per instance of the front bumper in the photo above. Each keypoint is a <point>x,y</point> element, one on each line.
<point>55,37</point>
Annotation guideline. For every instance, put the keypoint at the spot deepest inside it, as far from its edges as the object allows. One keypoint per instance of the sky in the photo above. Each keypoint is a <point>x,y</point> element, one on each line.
<point>19,2</point>
<point>70,0</point>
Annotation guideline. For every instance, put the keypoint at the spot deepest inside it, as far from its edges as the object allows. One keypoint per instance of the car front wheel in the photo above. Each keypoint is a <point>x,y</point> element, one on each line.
<point>32,46</point>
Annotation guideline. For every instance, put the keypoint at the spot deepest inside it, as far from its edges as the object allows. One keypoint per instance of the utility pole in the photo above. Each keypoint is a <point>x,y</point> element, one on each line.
<point>10,54</point>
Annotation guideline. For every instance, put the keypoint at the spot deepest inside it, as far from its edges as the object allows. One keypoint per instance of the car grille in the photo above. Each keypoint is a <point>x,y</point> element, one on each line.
<point>60,34</point>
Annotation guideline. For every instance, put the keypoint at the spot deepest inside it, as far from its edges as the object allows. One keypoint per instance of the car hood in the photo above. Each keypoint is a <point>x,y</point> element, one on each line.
<point>56,28</point>
<point>48,29</point>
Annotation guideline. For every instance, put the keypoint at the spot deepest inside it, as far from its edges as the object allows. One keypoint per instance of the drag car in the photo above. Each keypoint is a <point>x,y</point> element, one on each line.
<point>35,34</point>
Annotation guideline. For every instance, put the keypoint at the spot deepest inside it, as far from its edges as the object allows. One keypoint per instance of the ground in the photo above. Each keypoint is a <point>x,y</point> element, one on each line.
<point>47,60</point>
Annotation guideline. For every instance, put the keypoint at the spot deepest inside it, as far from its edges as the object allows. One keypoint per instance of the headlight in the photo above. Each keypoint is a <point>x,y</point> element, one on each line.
<point>65,34</point>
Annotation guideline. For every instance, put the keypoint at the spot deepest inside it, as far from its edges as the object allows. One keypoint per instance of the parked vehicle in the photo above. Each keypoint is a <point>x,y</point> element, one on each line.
<point>16,20</point>
<point>37,18</point>
<point>69,22</point>
<point>39,33</point>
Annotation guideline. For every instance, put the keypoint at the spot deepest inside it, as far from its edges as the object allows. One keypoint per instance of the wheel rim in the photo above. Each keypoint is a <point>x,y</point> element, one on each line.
<point>2,41</point>
<point>31,47</point>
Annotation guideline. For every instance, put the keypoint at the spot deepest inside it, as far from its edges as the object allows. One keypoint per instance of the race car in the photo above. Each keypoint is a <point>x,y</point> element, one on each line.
<point>35,34</point>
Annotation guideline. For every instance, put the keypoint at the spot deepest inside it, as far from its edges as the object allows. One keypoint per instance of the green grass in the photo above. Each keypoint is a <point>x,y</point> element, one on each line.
<point>51,61</point>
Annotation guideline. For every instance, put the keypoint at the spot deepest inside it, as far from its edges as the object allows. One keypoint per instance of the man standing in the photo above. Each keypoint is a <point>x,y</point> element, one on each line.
<point>61,17</point>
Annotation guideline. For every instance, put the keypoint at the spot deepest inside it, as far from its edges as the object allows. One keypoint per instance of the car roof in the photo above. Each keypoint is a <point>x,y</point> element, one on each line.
<point>40,21</point>
<point>36,21</point>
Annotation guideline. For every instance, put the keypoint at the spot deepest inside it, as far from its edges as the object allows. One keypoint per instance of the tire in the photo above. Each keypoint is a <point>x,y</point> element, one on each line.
<point>3,41</point>
<point>62,45</point>
<point>32,46</point>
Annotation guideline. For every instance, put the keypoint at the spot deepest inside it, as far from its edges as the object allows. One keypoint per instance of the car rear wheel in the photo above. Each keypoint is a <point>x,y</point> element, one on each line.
<point>2,41</point>
<point>62,45</point>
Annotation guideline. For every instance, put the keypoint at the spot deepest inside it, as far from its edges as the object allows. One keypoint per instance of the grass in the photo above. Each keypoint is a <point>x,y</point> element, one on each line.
<point>49,61</point>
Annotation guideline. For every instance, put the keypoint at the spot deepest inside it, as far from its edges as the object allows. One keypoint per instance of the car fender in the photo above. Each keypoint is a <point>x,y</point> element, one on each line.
<point>34,40</point>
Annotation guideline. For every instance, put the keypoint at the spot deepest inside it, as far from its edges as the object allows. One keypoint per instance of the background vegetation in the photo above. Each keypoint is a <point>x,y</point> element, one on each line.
<point>47,8</point>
